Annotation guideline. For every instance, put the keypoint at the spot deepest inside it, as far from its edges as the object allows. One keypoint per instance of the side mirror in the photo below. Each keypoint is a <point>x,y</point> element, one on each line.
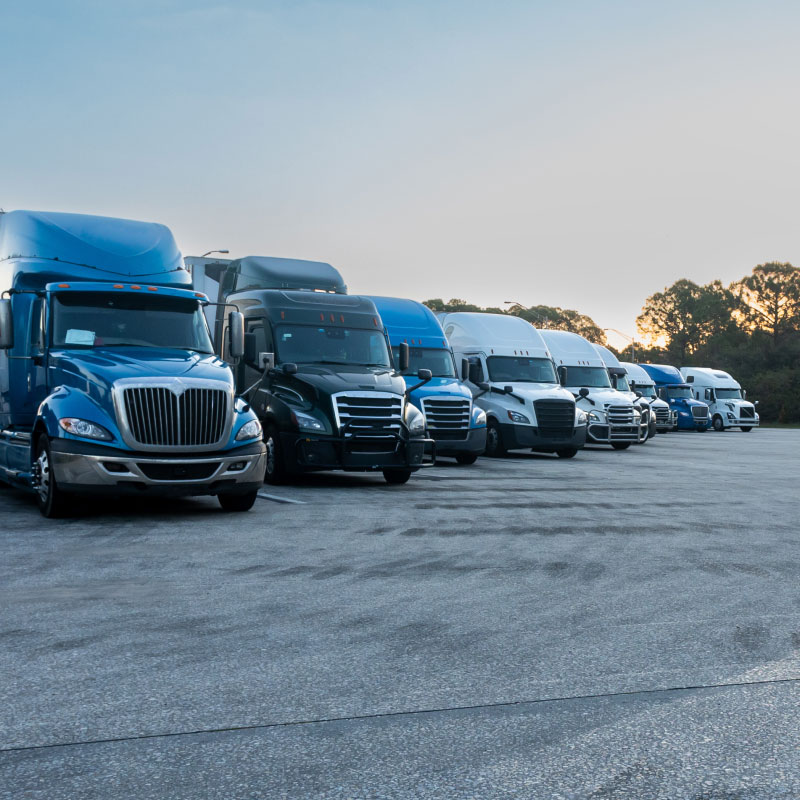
<point>744,394</point>
<point>583,391</point>
<point>562,375</point>
<point>266,361</point>
<point>755,403</point>
<point>690,379</point>
<point>464,369</point>
<point>424,374</point>
<point>405,356</point>
<point>475,372</point>
<point>508,389</point>
<point>250,355</point>
<point>236,334</point>
<point>6,325</point>
<point>638,394</point>
<point>289,368</point>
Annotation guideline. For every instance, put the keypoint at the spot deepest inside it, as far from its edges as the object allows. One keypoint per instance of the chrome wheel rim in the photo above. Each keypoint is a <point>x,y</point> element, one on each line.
<point>270,445</point>
<point>43,470</point>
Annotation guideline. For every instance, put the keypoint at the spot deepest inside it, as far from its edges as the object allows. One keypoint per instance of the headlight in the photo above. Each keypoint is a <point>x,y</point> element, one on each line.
<point>594,416</point>
<point>637,414</point>
<point>580,417</point>
<point>515,416</point>
<point>306,422</point>
<point>82,427</point>
<point>730,416</point>
<point>480,417</point>
<point>250,430</point>
<point>415,419</point>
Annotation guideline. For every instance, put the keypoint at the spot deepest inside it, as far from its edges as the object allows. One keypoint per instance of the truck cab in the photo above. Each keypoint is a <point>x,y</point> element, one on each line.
<point>727,403</point>
<point>108,379</point>
<point>512,378</point>
<point>639,381</point>
<point>690,414</point>
<point>613,418</point>
<point>619,380</point>
<point>454,422</point>
<point>317,370</point>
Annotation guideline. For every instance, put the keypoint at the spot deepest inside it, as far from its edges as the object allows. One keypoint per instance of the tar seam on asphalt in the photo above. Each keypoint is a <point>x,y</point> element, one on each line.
<point>360,717</point>
<point>276,499</point>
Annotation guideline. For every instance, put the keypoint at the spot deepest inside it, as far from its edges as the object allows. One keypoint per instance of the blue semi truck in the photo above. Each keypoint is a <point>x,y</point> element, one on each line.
<point>454,422</point>
<point>692,415</point>
<point>108,378</point>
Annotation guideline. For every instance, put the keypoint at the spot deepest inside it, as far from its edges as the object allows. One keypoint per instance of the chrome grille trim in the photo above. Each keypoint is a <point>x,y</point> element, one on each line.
<point>663,416</point>
<point>447,415</point>
<point>182,414</point>
<point>621,424</point>
<point>368,412</point>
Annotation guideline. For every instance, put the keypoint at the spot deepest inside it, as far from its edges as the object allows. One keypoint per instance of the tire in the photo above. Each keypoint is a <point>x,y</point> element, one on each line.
<point>52,501</point>
<point>275,472</point>
<point>746,428</point>
<point>237,502</point>
<point>567,452</point>
<point>396,477</point>
<point>494,440</point>
<point>652,430</point>
<point>467,458</point>
<point>718,424</point>
<point>620,445</point>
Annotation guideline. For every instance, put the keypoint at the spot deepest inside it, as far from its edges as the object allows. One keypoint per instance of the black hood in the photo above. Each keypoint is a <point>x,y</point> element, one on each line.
<point>328,380</point>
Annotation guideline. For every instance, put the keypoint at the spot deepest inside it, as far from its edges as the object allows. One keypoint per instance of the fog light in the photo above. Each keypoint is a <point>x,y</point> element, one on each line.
<point>237,466</point>
<point>115,466</point>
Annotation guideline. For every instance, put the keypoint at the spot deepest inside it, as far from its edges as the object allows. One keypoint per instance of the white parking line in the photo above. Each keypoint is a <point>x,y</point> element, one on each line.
<point>276,499</point>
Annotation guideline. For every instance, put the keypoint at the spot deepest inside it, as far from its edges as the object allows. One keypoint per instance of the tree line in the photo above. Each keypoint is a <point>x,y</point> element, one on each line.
<point>750,328</point>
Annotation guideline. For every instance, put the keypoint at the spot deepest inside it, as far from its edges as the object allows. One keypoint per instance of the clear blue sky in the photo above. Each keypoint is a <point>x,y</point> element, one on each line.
<point>582,154</point>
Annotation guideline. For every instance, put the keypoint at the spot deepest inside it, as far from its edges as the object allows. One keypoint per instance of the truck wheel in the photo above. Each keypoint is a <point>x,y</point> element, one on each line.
<point>718,424</point>
<point>275,472</point>
<point>494,440</point>
<point>397,476</point>
<point>567,452</point>
<point>746,428</point>
<point>652,430</point>
<point>237,502</point>
<point>52,502</point>
<point>620,445</point>
<point>467,458</point>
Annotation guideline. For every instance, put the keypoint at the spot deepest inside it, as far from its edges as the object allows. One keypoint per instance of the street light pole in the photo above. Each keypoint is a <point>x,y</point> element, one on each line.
<point>221,252</point>
<point>629,338</point>
<point>542,319</point>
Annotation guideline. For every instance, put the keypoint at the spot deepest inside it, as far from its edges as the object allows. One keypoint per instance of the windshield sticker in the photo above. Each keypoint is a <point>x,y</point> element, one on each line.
<point>77,336</point>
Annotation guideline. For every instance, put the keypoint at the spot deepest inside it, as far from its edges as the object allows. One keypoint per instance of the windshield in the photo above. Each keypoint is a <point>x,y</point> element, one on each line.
<point>322,344</point>
<point>590,377</point>
<point>437,360</point>
<point>728,394</point>
<point>620,383</point>
<point>521,370</point>
<point>678,392</point>
<point>647,391</point>
<point>124,319</point>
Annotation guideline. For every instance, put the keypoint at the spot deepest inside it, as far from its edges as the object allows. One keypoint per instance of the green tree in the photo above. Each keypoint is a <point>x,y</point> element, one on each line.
<point>769,299</point>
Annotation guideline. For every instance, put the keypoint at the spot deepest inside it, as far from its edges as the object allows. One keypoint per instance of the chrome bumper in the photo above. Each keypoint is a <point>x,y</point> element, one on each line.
<point>76,470</point>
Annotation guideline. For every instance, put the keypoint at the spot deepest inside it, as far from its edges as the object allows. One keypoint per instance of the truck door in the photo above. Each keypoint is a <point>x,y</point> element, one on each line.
<point>27,368</point>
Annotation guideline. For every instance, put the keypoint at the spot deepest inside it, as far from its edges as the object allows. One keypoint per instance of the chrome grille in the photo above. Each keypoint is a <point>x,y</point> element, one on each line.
<point>700,412</point>
<point>370,412</point>
<point>447,418</point>
<point>621,425</point>
<point>555,418</point>
<point>663,415</point>
<point>157,416</point>
<point>620,415</point>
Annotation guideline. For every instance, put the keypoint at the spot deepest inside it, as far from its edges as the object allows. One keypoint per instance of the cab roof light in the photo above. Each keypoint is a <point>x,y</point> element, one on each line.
<point>375,322</point>
<point>118,286</point>
<point>199,294</point>
<point>321,317</point>
<point>283,315</point>
<point>333,318</point>
<point>63,286</point>
<point>135,286</point>
<point>152,288</point>
<point>341,317</point>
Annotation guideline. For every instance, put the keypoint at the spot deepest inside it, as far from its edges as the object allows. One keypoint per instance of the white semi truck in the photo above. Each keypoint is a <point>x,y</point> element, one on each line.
<point>513,379</point>
<point>613,419</point>
<point>725,397</point>
<point>619,380</point>
<point>640,381</point>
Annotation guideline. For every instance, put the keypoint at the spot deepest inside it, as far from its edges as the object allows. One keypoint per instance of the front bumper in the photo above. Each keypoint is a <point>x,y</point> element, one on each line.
<point>474,443</point>
<point>357,453</point>
<point>89,468</point>
<point>692,423</point>
<point>528,437</point>
<point>741,422</point>
<point>603,433</point>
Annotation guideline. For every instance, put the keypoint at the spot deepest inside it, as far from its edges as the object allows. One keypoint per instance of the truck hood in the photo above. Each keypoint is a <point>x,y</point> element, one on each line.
<point>439,387</point>
<point>537,391</point>
<point>103,366</point>
<point>606,397</point>
<point>332,379</point>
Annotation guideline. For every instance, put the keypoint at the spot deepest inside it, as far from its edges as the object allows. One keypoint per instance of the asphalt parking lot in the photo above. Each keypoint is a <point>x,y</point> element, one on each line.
<point>621,625</point>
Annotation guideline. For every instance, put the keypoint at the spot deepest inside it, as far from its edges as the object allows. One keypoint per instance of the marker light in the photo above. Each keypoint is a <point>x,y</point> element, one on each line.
<point>63,286</point>
<point>134,286</point>
<point>152,288</point>
<point>118,286</point>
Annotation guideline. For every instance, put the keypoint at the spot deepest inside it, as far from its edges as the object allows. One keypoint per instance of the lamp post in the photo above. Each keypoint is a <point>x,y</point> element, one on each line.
<point>221,252</point>
<point>629,338</point>
<point>542,319</point>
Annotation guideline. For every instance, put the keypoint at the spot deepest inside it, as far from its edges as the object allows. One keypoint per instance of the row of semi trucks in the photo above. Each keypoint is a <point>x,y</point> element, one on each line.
<point>119,374</point>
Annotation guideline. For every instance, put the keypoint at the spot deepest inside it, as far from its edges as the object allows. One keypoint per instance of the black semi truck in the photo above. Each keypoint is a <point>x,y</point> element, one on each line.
<point>317,369</point>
